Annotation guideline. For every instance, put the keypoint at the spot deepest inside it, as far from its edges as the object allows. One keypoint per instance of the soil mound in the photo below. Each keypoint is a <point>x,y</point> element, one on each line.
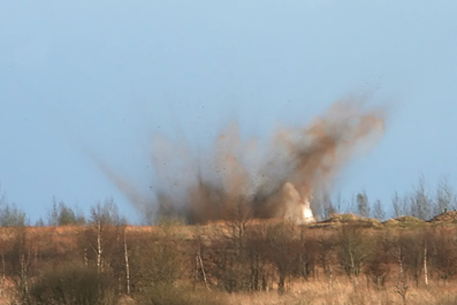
<point>410,219</point>
<point>445,217</point>
<point>404,222</point>
<point>340,219</point>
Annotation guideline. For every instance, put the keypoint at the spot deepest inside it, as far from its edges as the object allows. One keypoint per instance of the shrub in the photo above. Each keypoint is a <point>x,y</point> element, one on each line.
<point>73,285</point>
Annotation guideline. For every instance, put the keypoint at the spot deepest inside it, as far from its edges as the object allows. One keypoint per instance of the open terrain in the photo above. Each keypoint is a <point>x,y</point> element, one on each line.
<point>343,260</point>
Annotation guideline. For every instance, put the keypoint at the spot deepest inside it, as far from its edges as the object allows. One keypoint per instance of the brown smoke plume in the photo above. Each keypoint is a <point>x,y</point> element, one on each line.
<point>239,175</point>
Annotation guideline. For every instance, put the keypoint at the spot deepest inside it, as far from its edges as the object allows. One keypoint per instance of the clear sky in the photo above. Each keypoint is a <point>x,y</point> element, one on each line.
<point>106,76</point>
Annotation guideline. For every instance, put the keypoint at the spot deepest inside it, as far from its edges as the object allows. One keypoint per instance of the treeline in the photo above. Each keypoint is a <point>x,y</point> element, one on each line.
<point>99,259</point>
<point>60,214</point>
<point>105,260</point>
<point>421,202</point>
<point>271,256</point>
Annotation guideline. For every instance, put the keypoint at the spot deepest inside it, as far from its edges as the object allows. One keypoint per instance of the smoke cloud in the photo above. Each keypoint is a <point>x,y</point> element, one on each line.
<point>273,179</point>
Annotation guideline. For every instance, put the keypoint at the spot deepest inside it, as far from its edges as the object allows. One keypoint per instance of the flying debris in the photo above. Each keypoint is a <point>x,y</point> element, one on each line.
<point>277,179</point>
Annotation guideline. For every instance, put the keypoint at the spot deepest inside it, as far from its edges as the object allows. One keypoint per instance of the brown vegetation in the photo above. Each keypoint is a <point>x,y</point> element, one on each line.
<point>346,260</point>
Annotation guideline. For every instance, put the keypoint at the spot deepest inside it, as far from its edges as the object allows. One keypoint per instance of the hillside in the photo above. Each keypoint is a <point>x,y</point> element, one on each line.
<point>345,259</point>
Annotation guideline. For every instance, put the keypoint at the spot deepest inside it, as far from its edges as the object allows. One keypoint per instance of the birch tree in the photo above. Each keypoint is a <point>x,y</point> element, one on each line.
<point>104,218</point>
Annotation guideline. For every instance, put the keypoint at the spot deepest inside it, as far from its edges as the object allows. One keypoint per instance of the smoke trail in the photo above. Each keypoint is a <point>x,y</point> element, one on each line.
<point>238,177</point>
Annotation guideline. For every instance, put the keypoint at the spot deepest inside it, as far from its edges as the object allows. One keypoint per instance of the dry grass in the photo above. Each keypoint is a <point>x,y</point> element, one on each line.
<point>341,291</point>
<point>346,293</point>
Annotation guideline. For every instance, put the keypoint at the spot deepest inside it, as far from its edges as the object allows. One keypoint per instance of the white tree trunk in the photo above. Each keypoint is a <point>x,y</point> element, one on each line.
<point>127,266</point>
<point>99,247</point>
<point>24,282</point>
<point>200,261</point>
<point>86,260</point>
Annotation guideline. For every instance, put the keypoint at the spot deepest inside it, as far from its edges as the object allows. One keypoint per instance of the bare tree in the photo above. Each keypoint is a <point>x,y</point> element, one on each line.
<point>126,261</point>
<point>363,207</point>
<point>378,211</point>
<point>442,252</point>
<point>329,208</point>
<point>338,203</point>
<point>420,203</point>
<point>412,251</point>
<point>16,261</point>
<point>353,249</point>
<point>72,285</point>
<point>238,219</point>
<point>397,205</point>
<point>63,215</point>
<point>15,251</point>
<point>11,215</point>
<point>379,261</point>
<point>325,246</point>
<point>104,218</point>
<point>444,197</point>
<point>282,251</point>
<point>160,260</point>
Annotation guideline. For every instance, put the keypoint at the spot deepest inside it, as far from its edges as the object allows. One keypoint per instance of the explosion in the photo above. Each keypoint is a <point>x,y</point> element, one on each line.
<point>238,178</point>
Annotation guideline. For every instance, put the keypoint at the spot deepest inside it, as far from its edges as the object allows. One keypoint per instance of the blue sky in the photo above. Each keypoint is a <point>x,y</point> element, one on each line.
<point>106,76</point>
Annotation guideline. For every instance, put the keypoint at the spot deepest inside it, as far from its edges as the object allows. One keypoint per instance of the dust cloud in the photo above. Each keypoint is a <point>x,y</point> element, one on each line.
<point>248,178</point>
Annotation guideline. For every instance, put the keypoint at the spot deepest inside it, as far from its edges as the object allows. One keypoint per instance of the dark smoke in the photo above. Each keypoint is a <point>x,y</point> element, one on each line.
<point>238,176</point>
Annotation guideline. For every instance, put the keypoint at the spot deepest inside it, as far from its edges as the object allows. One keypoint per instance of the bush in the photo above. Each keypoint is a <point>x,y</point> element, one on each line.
<point>75,285</point>
<point>353,249</point>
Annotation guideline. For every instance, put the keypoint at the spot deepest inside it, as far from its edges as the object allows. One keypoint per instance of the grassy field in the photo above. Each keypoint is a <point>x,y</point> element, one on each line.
<point>341,292</point>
